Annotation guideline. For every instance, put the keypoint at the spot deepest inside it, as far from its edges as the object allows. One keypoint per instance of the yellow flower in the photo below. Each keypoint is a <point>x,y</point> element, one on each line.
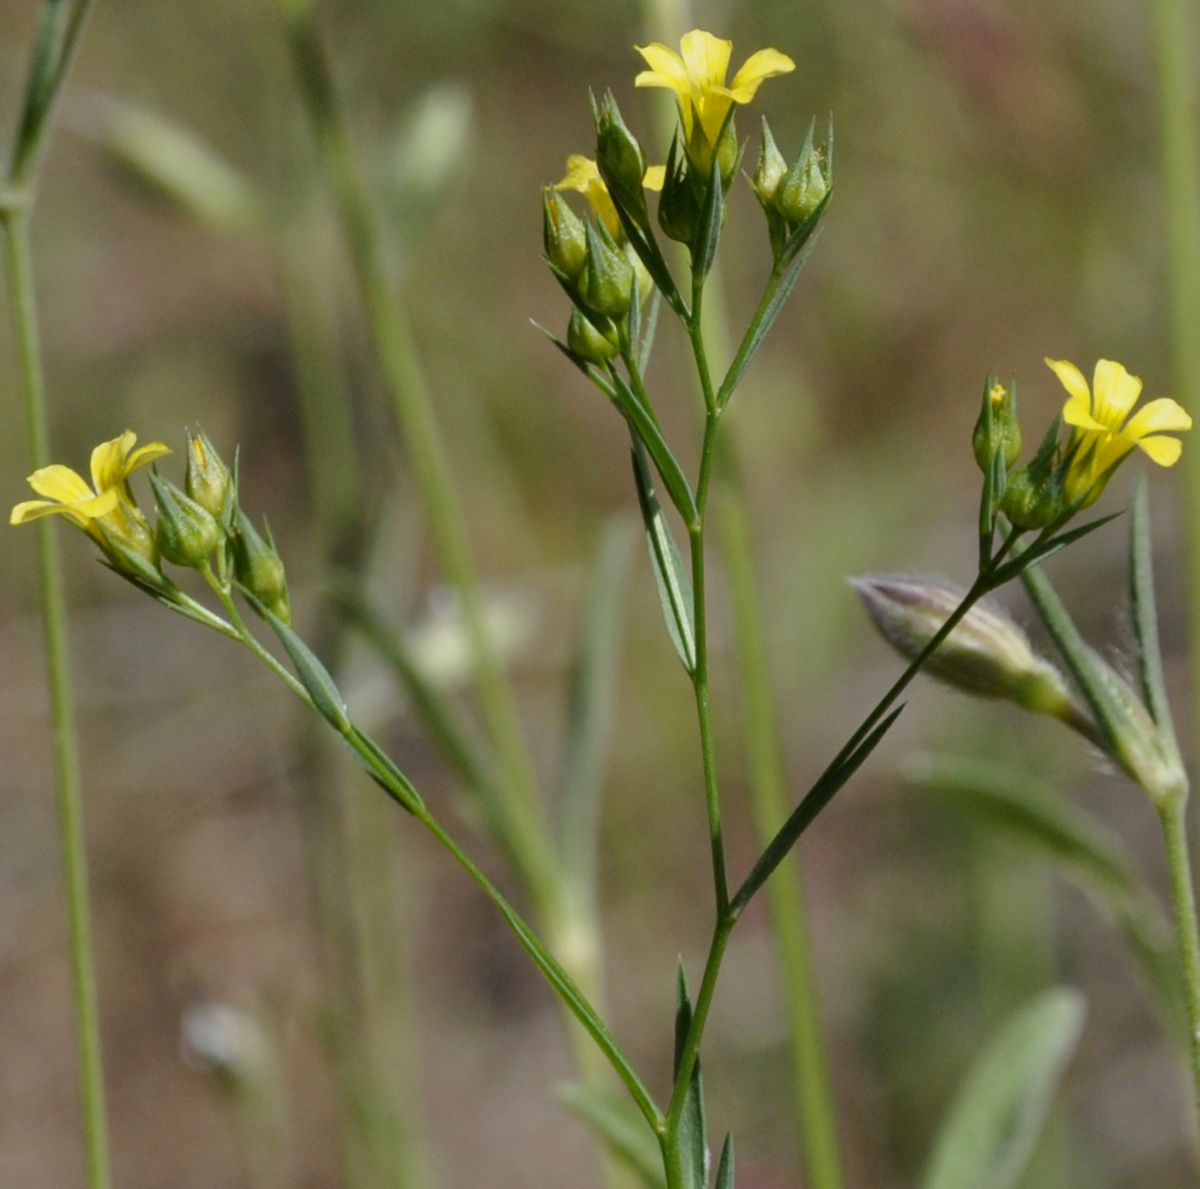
<point>107,504</point>
<point>584,175</point>
<point>1104,433</point>
<point>697,76</point>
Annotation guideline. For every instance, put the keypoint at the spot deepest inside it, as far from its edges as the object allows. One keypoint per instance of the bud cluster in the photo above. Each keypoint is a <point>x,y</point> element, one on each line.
<point>793,197</point>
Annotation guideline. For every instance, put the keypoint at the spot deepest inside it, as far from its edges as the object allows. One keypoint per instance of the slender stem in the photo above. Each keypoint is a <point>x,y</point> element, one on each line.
<point>68,786</point>
<point>824,787</point>
<point>1173,815</point>
<point>1175,27</point>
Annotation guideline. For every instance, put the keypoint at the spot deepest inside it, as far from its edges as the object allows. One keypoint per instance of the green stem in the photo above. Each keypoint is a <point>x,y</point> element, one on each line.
<point>747,343</point>
<point>68,788</point>
<point>1175,29</point>
<point>1173,815</point>
<point>824,787</point>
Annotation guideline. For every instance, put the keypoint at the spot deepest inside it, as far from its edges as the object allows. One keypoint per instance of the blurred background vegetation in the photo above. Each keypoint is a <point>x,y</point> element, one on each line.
<point>998,200</point>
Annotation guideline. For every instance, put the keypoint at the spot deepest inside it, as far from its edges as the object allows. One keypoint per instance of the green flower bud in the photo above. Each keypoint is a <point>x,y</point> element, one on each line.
<point>618,153</point>
<point>208,480</point>
<point>586,341</point>
<point>259,568</point>
<point>986,654</point>
<point>606,282</point>
<point>679,207</point>
<point>187,534</point>
<point>804,187</point>
<point>997,427</point>
<point>771,170</point>
<point>645,282</point>
<point>562,234</point>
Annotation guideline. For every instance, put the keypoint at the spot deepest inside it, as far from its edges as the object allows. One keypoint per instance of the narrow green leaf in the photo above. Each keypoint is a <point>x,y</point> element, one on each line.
<point>761,327</point>
<point>631,333</point>
<point>384,772</point>
<point>592,699</point>
<point>993,1124</point>
<point>725,1169</point>
<point>674,588</point>
<point>621,1128</point>
<point>712,216</point>
<point>817,797</point>
<point>44,65</point>
<point>1145,613</point>
<point>1039,551</point>
<point>643,424</point>
<point>692,1138</point>
<point>315,678</point>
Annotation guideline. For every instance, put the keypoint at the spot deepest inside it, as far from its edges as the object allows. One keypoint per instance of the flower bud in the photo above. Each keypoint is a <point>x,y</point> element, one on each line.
<point>997,427</point>
<point>586,341</point>
<point>208,480</point>
<point>607,279</point>
<point>771,170</point>
<point>986,654</point>
<point>259,568</point>
<point>562,234</point>
<point>187,534</point>
<point>679,207</point>
<point>805,185</point>
<point>618,153</point>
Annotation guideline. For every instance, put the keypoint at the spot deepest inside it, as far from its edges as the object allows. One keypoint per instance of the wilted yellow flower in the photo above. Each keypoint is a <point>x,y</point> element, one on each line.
<point>697,76</point>
<point>583,175</point>
<point>107,503</point>
<point>1104,433</point>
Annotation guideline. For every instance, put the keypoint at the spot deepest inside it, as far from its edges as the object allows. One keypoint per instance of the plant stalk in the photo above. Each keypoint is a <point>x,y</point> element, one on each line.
<point>68,786</point>
<point>1173,815</point>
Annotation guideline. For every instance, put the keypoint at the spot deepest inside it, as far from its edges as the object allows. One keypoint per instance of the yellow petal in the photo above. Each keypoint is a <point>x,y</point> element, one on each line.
<point>1072,380</point>
<point>61,484</point>
<point>655,176</point>
<point>1164,451</point>
<point>666,69</point>
<point>755,70</point>
<point>144,454</point>
<point>1157,416</point>
<point>1114,392</point>
<point>79,512</point>
<point>705,58</point>
<point>581,172</point>
<point>108,461</point>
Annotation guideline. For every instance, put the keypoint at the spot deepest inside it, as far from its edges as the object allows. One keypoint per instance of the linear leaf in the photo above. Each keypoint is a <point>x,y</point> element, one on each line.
<point>1040,550</point>
<point>674,588</point>
<point>44,66</point>
<point>1145,612</point>
<point>643,424</point>
<point>621,1128</point>
<point>649,330</point>
<point>725,1169</point>
<point>994,1122</point>
<point>692,1135</point>
<point>759,329</point>
<point>817,797</point>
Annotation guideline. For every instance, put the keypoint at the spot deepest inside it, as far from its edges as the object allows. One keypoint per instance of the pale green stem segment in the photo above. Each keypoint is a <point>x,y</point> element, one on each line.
<point>59,38</point>
<point>68,786</point>
<point>1175,26</point>
<point>1173,815</point>
<point>399,360</point>
<point>405,795</point>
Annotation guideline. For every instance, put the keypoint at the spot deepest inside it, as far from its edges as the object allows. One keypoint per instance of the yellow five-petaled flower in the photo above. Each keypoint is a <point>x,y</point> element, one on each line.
<point>1104,432</point>
<point>697,76</point>
<point>583,174</point>
<point>107,503</point>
